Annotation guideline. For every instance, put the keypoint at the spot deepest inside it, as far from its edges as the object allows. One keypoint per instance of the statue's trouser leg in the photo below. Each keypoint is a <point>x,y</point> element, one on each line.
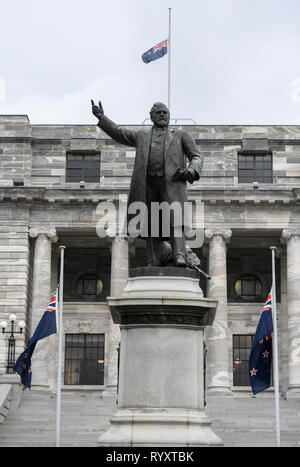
<point>153,195</point>
<point>177,242</point>
<point>156,193</point>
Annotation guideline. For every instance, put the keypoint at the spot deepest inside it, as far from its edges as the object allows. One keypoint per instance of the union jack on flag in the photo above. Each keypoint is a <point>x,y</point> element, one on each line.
<point>157,51</point>
<point>260,359</point>
<point>45,328</point>
<point>268,304</point>
<point>52,305</point>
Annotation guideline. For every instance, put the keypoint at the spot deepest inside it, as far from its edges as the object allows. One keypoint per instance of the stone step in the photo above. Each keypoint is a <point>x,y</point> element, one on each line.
<point>249,421</point>
<point>239,421</point>
<point>83,418</point>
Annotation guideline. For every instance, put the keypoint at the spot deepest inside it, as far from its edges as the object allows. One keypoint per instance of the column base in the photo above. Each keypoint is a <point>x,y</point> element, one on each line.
<point>41,387</point>
<point>293,392</point>
<point>110,390</point>
<point>219,391</point>
<point>160,428</point>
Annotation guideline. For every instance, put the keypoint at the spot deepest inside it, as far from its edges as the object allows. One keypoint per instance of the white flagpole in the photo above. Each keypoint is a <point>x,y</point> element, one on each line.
<point>169,63</point>
<point>59,351</point>
<point>275,349</point>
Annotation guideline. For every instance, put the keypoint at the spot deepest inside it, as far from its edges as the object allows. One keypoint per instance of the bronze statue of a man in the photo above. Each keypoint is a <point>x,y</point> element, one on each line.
<point>160,172</point>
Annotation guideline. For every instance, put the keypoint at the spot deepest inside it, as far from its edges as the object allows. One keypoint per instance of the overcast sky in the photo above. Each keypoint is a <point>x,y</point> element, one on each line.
<point>232,61</point>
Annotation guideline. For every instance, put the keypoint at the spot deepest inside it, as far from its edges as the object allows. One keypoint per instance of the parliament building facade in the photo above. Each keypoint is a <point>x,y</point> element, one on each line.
<point>53,179</point>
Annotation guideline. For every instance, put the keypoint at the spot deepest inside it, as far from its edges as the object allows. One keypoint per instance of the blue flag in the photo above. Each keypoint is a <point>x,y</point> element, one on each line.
<point>45,328</point>
<point>260,359</point>
<point>156,52</point>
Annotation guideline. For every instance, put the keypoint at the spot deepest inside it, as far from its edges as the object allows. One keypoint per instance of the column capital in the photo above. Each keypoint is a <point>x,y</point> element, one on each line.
<point>288,233</point>
<point>222,231</point>
<point>48,231</point>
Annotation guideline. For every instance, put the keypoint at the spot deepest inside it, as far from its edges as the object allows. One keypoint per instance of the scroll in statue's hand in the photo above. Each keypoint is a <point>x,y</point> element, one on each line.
<point>97,109</point>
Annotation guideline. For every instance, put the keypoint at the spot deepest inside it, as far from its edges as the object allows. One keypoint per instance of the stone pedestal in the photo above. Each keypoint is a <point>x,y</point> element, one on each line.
<point>162,316</point>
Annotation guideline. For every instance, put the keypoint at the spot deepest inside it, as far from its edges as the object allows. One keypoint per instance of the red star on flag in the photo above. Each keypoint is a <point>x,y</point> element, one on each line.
<point>253,372</point>
<point>266,354</point>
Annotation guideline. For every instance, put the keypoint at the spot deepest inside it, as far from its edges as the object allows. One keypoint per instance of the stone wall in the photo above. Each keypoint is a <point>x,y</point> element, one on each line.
<point>15,149</point>
<point>14,269</point>
<point>37,153</point>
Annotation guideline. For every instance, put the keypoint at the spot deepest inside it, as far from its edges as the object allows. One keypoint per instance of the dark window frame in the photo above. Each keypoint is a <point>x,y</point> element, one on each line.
<point>83,166</point>
<point>246,282</point>
<point>240,359</point>
<point>241,347</point>
<point>255,166</point>
<point>84,359</point>
<point>87,282</point>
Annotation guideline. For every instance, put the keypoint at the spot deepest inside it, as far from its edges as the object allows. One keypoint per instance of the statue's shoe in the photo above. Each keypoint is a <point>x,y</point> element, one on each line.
<point>180,262</point>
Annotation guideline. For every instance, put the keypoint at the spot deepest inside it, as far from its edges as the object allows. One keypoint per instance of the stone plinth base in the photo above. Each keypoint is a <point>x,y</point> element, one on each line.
<point>160,427</point>
<point>161,373</point>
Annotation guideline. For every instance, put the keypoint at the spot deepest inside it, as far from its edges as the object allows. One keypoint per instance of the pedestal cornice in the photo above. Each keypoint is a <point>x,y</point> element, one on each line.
<point>167,300</point>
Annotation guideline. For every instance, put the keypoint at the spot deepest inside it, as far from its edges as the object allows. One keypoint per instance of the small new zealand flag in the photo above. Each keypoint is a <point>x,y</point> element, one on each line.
<point>46,326</point>
<point>260,360</point>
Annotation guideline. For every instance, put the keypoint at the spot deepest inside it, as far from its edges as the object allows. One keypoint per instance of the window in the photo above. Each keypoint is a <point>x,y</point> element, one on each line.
<point>241,350</point>
<point>248,287</point>
<point>84,166</point>
<point>255,168</point>
<point>89,285</point>
<point>84,359</point>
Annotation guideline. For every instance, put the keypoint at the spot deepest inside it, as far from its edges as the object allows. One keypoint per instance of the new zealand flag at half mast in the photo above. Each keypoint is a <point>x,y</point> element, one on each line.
<point>45,328</point>
<point>260,360</point>
<point>156,52</point>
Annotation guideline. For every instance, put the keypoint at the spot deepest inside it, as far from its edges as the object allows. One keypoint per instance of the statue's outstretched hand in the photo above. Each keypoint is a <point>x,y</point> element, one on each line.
<point>97,110</point>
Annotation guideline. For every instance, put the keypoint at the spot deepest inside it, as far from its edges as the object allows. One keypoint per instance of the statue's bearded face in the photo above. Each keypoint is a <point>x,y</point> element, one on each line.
<point>160,116</point>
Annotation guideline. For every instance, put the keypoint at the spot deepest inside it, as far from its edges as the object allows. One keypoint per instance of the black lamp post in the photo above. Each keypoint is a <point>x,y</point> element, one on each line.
<point>11,340</point>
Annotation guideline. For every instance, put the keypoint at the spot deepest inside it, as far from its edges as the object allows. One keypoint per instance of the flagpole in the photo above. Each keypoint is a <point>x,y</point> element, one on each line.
<point>59,351</point>
<point>275,349</point>
<point>169,63</point>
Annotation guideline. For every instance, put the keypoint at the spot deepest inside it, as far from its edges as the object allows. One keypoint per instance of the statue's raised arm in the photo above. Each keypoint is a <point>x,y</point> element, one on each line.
<point>97,109</point>
<point>113,130</point>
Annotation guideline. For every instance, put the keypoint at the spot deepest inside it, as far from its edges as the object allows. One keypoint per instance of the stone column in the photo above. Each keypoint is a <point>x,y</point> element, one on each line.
<point>41,294</point>
<point>291,237</point>
<point>119,276</point>
<point>282,322</point>
<point>217,335</point>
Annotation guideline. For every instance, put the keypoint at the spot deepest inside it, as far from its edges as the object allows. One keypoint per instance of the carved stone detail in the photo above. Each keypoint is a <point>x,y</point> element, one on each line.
<point>155,318</point>
<point>222,231</point>
<point>49,232</point>
<point>288,233</point>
